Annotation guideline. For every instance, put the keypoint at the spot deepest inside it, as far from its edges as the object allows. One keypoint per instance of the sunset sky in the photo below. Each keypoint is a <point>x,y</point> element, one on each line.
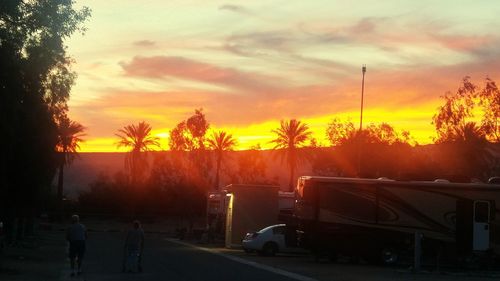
<point>249,64</point>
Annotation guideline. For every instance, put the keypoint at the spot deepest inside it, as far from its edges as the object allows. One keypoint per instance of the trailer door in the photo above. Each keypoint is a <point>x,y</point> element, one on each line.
<point>481,239</point>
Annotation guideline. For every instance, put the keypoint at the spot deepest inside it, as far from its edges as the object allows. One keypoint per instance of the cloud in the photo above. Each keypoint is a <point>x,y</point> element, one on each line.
<point>385,91</point>
<point>464,43</point>
<point>365,25</point>
<point>234,8</point>
<point>162,66</point>
<point>144,43</point>
<point>276,40</point>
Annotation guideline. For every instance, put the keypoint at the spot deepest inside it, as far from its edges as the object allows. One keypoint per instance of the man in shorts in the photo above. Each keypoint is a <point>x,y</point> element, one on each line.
<point>76,236</point>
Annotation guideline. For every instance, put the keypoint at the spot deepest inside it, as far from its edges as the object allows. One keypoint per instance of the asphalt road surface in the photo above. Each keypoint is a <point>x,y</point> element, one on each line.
<point>164,259</point>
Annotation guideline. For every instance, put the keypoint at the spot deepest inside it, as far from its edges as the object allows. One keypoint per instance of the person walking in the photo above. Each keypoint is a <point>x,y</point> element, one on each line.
<point>76,235</point>
<point>134,245</point>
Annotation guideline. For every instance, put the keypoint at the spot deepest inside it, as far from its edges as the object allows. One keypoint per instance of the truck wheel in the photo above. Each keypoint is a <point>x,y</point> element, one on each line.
<point>270,249</point>
<point>389,256</point>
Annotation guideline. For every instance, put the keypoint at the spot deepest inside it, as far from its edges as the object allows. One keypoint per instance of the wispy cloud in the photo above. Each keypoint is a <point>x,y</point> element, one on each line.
<point>144,43</point>
<point>234,8</point>
<point>180,67</point>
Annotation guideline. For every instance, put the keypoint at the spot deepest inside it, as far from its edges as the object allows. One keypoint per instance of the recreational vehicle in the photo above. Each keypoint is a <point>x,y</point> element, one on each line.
<point>379,218</point>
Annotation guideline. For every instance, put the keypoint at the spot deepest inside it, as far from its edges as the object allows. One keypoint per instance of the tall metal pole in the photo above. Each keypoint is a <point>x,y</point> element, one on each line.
<point>363,70</point>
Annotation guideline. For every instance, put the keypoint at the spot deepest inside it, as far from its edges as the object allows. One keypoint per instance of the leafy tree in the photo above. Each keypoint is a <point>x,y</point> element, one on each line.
<point>70,135</point>
<point>466,141</point>
<point>490,101</point>
<point>188,139</point>
<point>377,150</point>
<point>339,132</point>
<point>198,127</point>
<point>251,167</point>
<point>139,139</point>
<point>220,142</point>
<point>457,108</point>
<point>178,192</point>
<point>291,135</point>
<point>34,69</point>
<point>189,135</point>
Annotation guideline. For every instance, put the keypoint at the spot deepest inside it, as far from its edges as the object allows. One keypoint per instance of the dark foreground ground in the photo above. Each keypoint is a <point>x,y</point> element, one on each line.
<point>169,259</point>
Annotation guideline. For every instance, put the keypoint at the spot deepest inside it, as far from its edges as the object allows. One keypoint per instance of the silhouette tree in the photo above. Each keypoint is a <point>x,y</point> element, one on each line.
<point>339,132</point>
<point>377,150</point>
<point>139,139</point>
<point>32,51</point>
<point>189,136</point>
<point>470,149</point>
<point>457,108</point>
<point>489,99</point>
<point>291,135</point>
<point>251,167</point>
<point>70,135</point>
<point>456,128</point>
<point>220,142</point>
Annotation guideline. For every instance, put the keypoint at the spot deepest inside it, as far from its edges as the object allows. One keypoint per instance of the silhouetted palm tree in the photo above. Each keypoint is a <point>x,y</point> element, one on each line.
<point>139,139</point>
<point>220,142</point>
<point>469,132</point>
<point>471,143</point>
<point>291,136</point>
<point>70,135</point>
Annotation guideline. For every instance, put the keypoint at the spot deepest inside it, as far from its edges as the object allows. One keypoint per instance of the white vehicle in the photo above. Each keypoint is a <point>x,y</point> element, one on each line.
<point>271,240</point>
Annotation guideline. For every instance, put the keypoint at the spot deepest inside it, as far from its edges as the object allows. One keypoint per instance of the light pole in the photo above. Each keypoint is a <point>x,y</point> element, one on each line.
<point>363,70</point>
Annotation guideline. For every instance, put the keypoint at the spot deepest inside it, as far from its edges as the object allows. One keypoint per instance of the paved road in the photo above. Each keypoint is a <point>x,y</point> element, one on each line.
<point>164,260</point>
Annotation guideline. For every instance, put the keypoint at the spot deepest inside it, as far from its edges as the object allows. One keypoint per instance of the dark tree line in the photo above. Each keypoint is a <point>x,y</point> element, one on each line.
<point>35,80</point>
<point>172,183</point>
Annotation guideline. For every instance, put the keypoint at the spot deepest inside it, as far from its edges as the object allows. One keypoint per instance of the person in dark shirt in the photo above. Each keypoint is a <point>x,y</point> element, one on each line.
<point>134,245</point>
<point>76,235</point>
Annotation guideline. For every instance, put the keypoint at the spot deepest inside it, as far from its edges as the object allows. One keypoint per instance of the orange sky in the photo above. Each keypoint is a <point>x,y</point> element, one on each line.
<point>249,64</point>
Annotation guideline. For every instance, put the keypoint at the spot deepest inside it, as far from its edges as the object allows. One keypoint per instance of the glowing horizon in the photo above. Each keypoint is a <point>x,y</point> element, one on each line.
<point>251,64</point>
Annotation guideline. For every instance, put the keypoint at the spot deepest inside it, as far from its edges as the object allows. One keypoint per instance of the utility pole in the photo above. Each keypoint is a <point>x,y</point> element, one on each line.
<point>363,70</point>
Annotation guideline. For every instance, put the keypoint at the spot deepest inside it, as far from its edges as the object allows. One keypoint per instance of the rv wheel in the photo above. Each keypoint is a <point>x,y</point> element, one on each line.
<point>270,249</point>
<point>389,256</point>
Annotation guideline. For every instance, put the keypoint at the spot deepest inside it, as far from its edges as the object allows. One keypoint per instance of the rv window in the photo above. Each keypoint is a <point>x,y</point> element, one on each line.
<point>481,212</point>
<point>348,200</point>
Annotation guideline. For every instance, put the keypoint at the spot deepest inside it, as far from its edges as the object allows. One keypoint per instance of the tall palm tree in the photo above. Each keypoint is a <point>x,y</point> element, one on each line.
<point>70,135</point>
<point>291,135</point>
<point>139,139</point>
<point>220,142</point>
